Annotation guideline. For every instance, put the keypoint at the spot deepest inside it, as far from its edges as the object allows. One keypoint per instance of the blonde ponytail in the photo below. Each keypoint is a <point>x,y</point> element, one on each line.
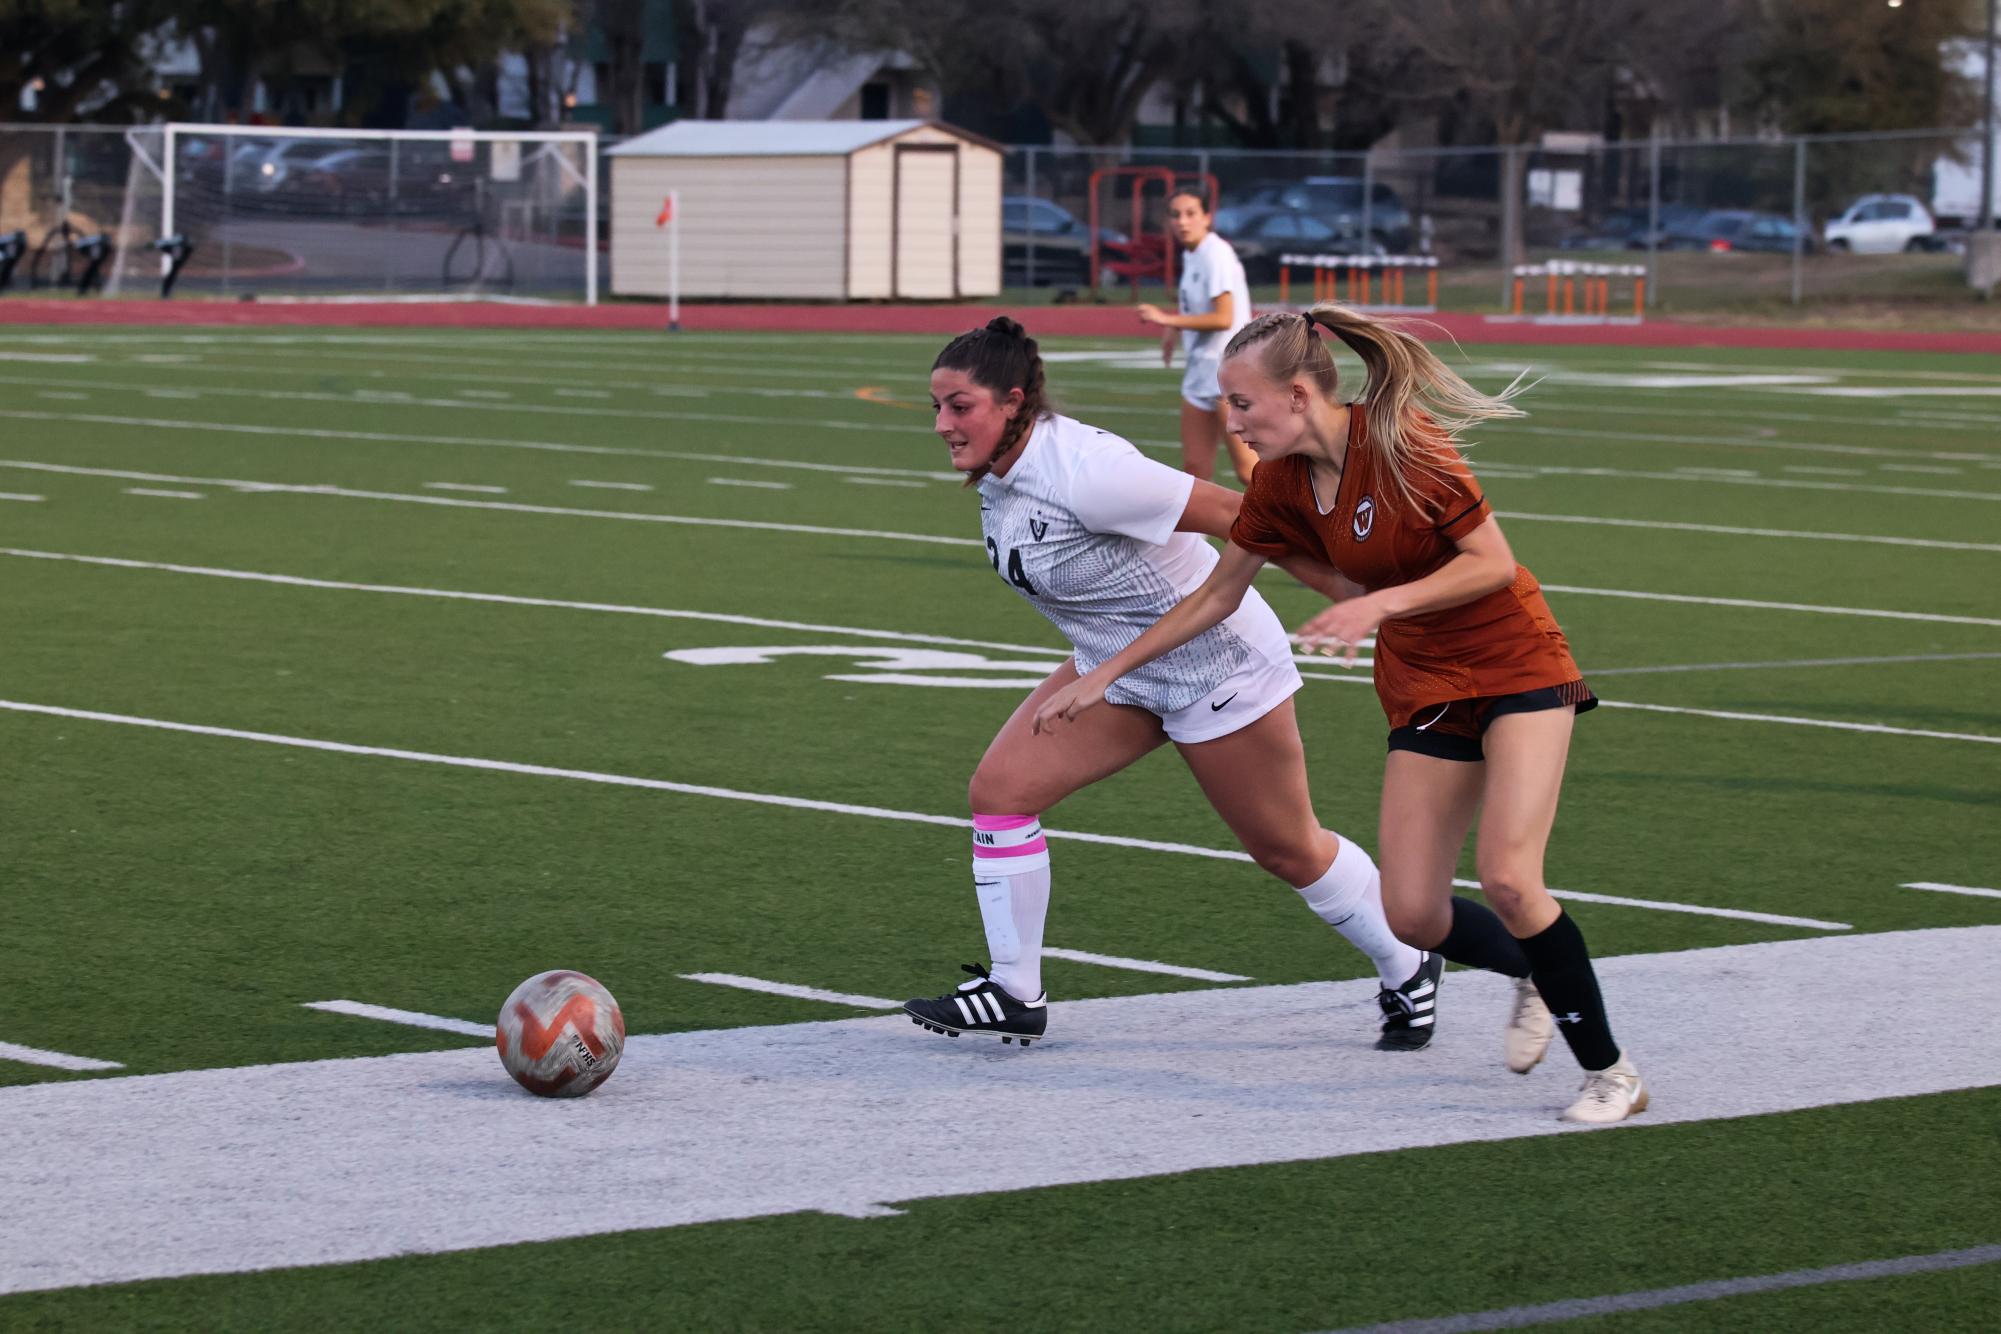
<point>1414,402</point>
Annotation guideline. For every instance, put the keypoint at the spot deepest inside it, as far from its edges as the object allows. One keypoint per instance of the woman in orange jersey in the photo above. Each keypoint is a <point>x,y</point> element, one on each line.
<point>1471,668</point>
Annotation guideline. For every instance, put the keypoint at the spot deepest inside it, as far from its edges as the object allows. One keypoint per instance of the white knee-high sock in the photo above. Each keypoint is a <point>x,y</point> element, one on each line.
<point>1348,896</point>
<point>1011,877</point>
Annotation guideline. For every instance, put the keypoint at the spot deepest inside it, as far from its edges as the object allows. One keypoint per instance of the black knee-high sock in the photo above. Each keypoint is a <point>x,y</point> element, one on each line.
<point>1563,974</point>
<point>1478,940</point>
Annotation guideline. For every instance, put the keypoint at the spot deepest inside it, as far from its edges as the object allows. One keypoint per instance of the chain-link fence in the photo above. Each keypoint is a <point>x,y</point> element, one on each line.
<point>1719,225</point>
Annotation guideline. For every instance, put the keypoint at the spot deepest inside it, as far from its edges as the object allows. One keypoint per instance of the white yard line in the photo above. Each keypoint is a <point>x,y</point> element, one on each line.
<point>1659,905</point>
<point>899,636</point>
<point>874,426</point>
<point>1782,483</point>
<point>507,599</point>
<point>1758,604</point>
<point>614,486</point>
<point>1971,891</point>
<point>467,486</point>
<point>412,1018</point>
<point>1594,673</point>
<point>881,481</point>
<point>879,427</point>
<point>1824,472</point>
<point>1509,471</point>
<point>20,495</point>
<point>893,536</point>
<point>740,481</point>
<point>61,395</point>
<point>1919,467</point>
<point>474,442</point>
<point>159,494</point>
<point>501,505</point>
<point>795,992</point>
<point>1881,729</point>
<point>762,798</point>
<point>13,1051</point>
<point>1142,965</point>
<point>1594,436</point>
<point>1732,530</point>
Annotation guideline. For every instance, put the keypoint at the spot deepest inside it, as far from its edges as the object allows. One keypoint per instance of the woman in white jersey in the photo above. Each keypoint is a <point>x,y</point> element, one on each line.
<point>1215,303</point>
<point>1103,540</point>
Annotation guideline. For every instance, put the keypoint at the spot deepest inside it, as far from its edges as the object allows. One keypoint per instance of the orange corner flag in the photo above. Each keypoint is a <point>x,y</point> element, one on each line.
<point>666,212</point>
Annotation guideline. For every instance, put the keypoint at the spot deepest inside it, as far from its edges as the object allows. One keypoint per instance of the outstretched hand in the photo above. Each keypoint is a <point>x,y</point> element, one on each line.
<point>1149,313</point>
<point>1067,703</point>
<point>1341,628</point>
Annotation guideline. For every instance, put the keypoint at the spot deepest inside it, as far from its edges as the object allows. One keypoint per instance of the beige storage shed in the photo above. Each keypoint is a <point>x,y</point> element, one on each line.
<point>823,210</point>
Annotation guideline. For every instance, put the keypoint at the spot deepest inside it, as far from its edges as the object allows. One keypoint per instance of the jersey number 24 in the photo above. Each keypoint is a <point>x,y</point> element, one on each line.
<point>1015,574</point>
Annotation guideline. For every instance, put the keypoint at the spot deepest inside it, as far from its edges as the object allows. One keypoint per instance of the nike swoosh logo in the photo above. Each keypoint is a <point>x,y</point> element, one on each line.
<point>1216,708</point>
<point>1435,717</point>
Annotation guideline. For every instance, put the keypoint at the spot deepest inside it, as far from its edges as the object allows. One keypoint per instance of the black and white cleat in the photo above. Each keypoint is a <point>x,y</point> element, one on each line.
<point>1410,1011</point>
<point>980,1006</point>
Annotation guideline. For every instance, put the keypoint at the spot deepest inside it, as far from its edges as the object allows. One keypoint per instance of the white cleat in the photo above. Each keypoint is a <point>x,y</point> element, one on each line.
<point>1530,1028</point>
<point>1609,1095</point>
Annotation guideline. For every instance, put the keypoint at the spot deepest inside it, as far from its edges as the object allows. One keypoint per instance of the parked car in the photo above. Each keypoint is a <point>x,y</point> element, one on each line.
<point>1881,224</point>
<point>1626,228</point>
<point>417,178</point>
<point>1728,230</point>
<point>1262,234</point>
<point>1337,202</point>
<point>1062,242</point>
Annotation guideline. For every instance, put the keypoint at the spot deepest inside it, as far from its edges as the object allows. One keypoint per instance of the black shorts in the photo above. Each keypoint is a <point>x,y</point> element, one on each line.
<point>1455,731</point>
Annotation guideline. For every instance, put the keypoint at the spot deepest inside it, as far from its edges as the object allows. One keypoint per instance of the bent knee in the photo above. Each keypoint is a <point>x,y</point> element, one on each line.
<point>992,794</point>
<point>1297,866</point>
<point>1511,890</point>
<point>1420,922</point>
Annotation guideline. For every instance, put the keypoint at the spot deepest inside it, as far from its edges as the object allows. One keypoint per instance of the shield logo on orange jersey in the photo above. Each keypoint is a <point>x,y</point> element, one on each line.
<point>1365,518</point>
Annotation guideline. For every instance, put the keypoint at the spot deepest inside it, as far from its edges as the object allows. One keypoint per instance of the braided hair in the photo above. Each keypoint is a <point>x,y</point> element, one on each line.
<point>1001,357</point>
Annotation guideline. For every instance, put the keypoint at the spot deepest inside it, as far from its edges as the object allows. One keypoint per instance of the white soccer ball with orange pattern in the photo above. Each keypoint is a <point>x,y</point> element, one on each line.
<point>560,1034</point>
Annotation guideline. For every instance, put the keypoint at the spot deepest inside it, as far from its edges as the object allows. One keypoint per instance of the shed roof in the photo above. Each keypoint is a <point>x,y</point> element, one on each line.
<point>775,138</point>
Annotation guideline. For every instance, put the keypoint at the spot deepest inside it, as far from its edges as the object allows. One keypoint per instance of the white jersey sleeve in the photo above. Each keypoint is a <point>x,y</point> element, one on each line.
<point>1125,492</point>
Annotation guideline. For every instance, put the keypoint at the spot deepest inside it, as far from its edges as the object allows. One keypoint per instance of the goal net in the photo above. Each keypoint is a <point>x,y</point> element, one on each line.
<point>361,213</point>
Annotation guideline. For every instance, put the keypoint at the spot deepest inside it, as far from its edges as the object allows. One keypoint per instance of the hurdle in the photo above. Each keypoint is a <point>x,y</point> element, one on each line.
<point>1377,282</point>
<point>1576,293</point>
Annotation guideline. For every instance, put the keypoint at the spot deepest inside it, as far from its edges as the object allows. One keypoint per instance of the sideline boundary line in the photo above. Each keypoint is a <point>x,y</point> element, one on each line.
<point>775,799</point>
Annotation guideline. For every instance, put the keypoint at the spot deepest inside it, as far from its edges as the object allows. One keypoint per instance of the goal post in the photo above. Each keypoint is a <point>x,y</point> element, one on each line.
<point>407,214</point>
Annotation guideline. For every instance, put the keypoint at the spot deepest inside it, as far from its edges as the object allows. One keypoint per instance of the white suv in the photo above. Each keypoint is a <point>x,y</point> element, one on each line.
<point>1878,224</point>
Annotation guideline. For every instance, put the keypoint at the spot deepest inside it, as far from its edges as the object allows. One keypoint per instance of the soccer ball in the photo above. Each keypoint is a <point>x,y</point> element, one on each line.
<point>560,1034</point>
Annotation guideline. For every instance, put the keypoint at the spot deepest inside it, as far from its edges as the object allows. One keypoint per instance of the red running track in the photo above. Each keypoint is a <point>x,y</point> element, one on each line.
<point>1087,321</point>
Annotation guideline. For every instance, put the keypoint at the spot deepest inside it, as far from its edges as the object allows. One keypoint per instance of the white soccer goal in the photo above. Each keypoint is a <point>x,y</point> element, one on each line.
<point>359,213</point>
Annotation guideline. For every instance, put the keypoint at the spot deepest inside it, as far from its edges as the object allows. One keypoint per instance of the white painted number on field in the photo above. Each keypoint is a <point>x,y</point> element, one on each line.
<point>888,665</point>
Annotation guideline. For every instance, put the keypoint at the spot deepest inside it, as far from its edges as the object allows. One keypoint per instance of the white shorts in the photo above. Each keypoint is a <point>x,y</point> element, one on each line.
<point>1252,691</point>
<point>1198,383</point>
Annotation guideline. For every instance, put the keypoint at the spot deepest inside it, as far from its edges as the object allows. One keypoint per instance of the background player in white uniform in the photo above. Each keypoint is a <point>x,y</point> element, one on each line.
<point>1102,540</point>
<point>1215,302</point>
